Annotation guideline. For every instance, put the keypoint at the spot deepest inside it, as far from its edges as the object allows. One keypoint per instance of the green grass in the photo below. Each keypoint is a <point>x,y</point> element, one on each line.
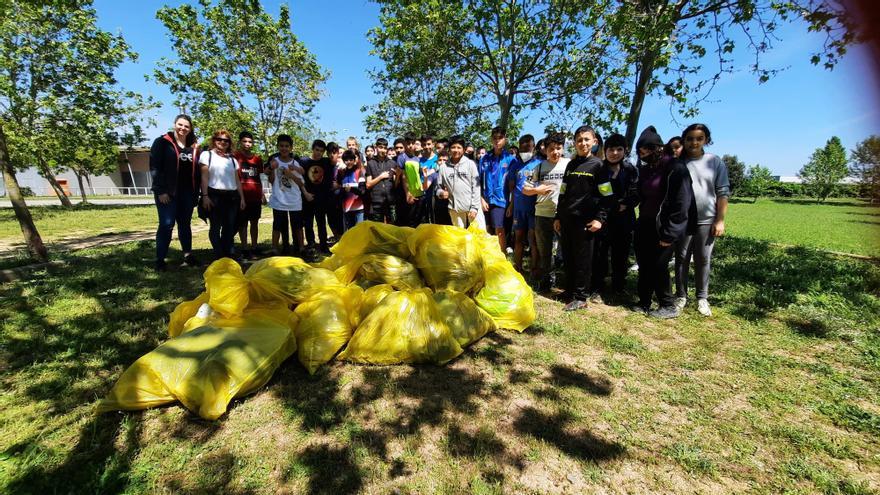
<point>57,222</point>
<point>777,393</point>
<point>842,225</point>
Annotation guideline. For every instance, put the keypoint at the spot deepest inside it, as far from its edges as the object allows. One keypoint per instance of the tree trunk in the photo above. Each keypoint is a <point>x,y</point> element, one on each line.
<point>32,238</point>
<point>505,103</point>
<point>646,73</point>
<point>82,189</point>
<point>49,176</point>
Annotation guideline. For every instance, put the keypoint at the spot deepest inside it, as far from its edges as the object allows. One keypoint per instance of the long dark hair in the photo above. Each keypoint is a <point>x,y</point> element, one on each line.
<point>191,137</point>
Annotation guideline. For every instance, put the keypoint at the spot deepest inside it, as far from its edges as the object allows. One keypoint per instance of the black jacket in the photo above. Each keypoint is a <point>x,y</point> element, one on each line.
<point>678,212</point>
<point>580,196</point>
<point>626,192</point>
<point>164,162</point>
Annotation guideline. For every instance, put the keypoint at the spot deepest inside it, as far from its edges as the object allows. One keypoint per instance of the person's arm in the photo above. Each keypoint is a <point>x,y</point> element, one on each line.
<point>157,171</point>
<point>678,200</point>
<point>722,192</point>
<point>237,174</point>
<point>476,196</point>
<point>631,190</point>
<point>206,173</point>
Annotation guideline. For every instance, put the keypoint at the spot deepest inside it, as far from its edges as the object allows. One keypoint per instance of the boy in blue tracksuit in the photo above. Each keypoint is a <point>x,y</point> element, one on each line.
<point>521,207</point>
<point>493,174</point>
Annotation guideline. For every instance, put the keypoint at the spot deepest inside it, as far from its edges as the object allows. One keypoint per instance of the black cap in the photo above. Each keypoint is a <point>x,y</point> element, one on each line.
<point>649,137</point>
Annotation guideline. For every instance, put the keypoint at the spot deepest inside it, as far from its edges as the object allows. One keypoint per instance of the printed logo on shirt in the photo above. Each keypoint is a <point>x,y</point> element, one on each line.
<point>606,189</point>
<point>316,174</point>
<point>186,157</point>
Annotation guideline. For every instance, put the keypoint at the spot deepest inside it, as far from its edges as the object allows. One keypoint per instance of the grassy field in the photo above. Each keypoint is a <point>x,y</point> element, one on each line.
<point>776,394</point>
<point>842,225</point>
<point>57,222</point>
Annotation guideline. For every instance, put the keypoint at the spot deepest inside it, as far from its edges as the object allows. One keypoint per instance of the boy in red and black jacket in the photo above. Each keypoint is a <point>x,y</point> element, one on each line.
<point>249,172</point>
<point>580,213</point>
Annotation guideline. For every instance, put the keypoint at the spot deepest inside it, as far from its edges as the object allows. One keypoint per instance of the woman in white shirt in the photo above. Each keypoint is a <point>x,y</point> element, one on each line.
<point>221,192</point>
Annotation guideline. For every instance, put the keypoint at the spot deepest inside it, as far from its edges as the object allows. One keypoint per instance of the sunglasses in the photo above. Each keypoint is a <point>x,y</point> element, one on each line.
<point>223,140</point>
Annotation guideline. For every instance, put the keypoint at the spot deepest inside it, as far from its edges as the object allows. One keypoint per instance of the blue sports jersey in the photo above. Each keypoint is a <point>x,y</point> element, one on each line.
<point>430,164</point>
<point>493,173</point>
<point>523,172</point>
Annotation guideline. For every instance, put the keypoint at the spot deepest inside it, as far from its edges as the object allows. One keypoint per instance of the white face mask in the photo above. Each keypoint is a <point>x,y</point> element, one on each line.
<point>526,156</point>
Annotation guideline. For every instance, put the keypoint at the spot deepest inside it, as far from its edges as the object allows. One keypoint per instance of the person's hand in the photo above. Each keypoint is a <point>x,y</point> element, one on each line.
<point>665,244</point>
<point>263,199</point>
<point>206,202</point>
<point>472,215</point>
<point>544,189</point>
<point>410,199</point>
<point>164,198</point>
<point>594,226</point>
<point>335,185</point>
<point>243,205</point>
<point>309,196</point>
<point>718,228</point>
<point>622,208</point>
<point>444,194</point>
<point>509,212</point>
<point>485,204</point>
<point>384,175</point>
<point>557,226</point>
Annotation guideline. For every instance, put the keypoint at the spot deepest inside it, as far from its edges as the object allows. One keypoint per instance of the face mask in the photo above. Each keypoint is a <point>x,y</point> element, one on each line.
<point>526,156</point>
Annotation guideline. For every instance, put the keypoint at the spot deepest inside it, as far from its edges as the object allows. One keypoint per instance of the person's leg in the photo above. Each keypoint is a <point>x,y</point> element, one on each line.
<point>459,218</point>
<point>544,248</point>
<point>620,243</point>
<point>277,224</point>
<point>185,203</point>
<point>645,243</point>
<point>347,220</point>
<point>321,220</point>
<point>164,230</point>
<point>702,247</point>
<point>296,223</point>
<point>229,218</point>
<point>682,253</point>
<point>215,219</point>
<point>255,232</point>
<point>358,217</point>
<point>377,212</point>
<point>334,218</point>
<point>309,208</point>
<point>600,261</point>
<point>663,283</point>
<point>519,241</point>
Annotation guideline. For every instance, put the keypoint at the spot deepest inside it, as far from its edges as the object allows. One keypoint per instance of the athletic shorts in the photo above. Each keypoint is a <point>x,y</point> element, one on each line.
<point>251,213</point>
<point>280,220</point>
<point>523,219</point>
<point>495,217</point>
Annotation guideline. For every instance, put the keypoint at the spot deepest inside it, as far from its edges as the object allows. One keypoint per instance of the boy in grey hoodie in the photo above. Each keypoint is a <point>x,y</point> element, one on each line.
<point>459,182</point>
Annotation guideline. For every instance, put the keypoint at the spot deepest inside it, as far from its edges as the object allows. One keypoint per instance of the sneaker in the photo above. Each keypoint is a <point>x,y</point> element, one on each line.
<point>703,307</point>
<point>641,309</point>
<point>509,250</point>
<point>596,298</point>
<point>665,313</point>
<point>680,303</point>
<point>190,260</point>
<point>575,305</point>
<point>160,266</point>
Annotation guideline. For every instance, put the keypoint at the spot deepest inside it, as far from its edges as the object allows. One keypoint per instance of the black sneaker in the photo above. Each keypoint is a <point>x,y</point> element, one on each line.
<point>191,261</point>
<point>665,313</point>
<point>160,266</point>
<point>575,305</point>
<point>641,308</point>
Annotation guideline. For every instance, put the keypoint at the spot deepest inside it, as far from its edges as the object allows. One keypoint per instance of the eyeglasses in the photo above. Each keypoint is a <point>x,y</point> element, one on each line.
<point>222,140</point>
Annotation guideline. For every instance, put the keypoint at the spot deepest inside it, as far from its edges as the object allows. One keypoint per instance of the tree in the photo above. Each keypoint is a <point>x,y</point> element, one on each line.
<point>55,64</point>
<point>239,68</point>
<point>736,172</point>
<point>469,57</point>
<point>865,165</point>
<point>663,45</point>
<point>758,181</point>
<point>826,168</point>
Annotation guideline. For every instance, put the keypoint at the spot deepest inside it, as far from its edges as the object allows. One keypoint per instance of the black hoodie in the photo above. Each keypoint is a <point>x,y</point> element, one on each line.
<point>165,161</point>
<point>678,211</point>
<point>579,194</point>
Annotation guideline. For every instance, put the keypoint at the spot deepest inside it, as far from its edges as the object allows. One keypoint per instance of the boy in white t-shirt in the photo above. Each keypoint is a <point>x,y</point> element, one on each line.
<point>288,190</point>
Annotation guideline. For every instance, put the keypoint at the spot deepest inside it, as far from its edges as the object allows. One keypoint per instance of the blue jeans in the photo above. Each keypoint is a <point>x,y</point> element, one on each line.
<point>179,210</point>
<point>352,218</point>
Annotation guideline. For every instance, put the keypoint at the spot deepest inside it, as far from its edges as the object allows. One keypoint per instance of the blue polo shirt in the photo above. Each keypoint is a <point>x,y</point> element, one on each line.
<point>522,172</point>
<point>493,173</point>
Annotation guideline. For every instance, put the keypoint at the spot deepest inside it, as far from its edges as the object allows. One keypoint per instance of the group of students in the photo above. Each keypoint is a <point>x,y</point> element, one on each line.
<point>531,193</point>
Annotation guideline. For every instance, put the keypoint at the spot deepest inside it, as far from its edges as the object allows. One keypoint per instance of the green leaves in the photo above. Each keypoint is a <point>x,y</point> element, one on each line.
<point>827,167</point>
<point>238,67</point>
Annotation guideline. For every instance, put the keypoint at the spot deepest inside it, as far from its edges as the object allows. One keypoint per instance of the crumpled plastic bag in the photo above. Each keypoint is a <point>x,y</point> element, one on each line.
<point>467,322</point>
<point>371,298</point>
<point>183,312</point>
<point>489,247</point>
<point>227,287</point>
<point>448,257</point>
<point>506,297</point>
<point>287,279</point>
<point>404,328</point>
<point>326,322</point>
<point>207,367</point>
<point>369,238</point>
<point>382,269</point>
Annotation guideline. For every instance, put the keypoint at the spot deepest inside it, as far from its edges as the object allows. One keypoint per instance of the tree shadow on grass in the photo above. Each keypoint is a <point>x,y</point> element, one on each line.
<point>813,202</point>
<point>755,280</point>
<point>556,430</point>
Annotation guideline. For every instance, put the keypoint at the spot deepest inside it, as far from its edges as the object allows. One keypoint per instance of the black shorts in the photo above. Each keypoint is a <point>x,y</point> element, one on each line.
<point>280,220</point>
<point>251,213</point>
<point>495,217</point>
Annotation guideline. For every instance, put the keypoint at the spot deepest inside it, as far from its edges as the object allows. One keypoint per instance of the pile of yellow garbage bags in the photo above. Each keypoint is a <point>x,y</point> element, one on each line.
<point>387,295</point>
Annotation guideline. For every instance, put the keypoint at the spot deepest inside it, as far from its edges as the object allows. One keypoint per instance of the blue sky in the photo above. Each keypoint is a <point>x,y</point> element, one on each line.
<point>777,124</point>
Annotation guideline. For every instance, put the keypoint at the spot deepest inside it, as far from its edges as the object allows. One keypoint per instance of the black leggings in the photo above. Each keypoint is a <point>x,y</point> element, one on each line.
<point>223,216</point>
<point>653,262</point>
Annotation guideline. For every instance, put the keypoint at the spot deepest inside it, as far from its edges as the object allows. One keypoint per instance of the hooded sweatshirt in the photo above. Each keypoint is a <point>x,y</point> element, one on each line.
<point>579,194</point>
<point>165,165</point>
<point>462,182</point>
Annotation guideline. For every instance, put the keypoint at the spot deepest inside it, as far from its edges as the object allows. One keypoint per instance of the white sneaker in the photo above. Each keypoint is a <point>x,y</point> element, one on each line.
<point>703,307</point>
<point>681,302</point>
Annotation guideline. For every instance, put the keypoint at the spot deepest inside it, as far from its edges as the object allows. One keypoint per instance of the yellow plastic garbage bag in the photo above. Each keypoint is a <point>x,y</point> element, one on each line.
<point>183,312</point>
<point>467,322</point>
<point>207,367</point>
<point>490,250</point>
<point>287,279</point>
<point>448,257</point>
<point>382,269</point>
<point>369,238</point>
<point>227,287</point>
<point>372,297</point>
<point>404,328</point>
<point>506,297</point>
<point>326,322</point>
